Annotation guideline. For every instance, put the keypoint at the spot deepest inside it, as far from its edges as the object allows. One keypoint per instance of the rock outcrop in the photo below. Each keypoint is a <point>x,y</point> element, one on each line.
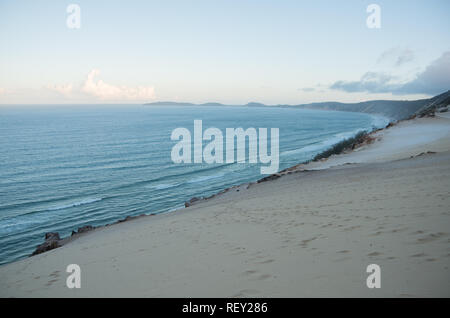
<point>51,242</point>
<point>191,202</point>
<point>83,229</point>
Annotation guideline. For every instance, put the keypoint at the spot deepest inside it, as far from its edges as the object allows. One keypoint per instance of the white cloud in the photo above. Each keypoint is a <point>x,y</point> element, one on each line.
<point>104,91</point>
<point>93,88</point>
<point>433,80</point>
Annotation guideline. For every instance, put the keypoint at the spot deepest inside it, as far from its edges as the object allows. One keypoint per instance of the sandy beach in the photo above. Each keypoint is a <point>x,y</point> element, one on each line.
<point>307,234</point>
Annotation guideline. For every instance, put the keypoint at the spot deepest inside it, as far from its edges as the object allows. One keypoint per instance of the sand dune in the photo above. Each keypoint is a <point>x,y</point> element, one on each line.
<point>407,138</point>
<point>309,233</point>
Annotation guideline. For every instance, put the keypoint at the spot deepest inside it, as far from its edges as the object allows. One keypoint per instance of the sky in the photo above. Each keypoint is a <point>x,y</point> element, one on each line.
<point>228,51</point>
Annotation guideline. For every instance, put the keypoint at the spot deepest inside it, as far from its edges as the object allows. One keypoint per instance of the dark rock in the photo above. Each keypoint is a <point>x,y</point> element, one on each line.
<point>52,236</point>
<point>128,218</point>
<point>51,242</point>
<point>269,178</point>
<point>83,229</point>
<point>191,201</point>
<point>391,124</point>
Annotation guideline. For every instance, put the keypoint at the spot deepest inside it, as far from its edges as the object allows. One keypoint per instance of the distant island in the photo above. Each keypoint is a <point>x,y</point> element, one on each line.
<point>393,109</point>
<point>168,103</point>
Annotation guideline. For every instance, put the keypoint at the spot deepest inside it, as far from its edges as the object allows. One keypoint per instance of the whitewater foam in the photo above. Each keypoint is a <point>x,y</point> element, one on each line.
<point>77,203</point>
<point>205,178</point>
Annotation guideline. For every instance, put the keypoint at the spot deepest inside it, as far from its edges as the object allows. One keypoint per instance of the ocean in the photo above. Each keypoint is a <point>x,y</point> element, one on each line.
<point>63,167</point>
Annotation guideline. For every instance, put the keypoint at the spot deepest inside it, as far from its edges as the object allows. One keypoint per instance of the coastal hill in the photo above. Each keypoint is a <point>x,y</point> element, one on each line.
<point>438,103</point>
<point>396,110</point>
<point>393,109</point>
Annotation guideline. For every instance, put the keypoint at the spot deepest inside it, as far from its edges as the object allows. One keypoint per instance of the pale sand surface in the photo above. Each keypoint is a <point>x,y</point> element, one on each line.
<point>407,138</point>
<point>307,234</point>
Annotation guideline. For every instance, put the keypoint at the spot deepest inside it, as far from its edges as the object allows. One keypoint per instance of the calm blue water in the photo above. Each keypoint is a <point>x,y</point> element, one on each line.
<point>65,167</point>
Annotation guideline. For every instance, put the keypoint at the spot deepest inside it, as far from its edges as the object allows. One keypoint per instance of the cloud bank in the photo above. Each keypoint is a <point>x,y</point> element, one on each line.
<point>435,79</point>
<point>102,91</point>
<point>105,91</point>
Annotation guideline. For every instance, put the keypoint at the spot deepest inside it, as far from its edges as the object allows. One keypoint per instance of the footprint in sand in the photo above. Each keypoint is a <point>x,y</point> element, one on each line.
<point>430,237</point>
<point>419,255</point>
<point>266,261</point>
<point>238,251</point>
<point>264,276</point>
<point>246,293</point>
<point>399,230</point>
<point>374,254</point>
<point>54,274</point>
<point>304,243</point>
<point>256,275</point>
<point>50,282</point>
<point>250,272</point>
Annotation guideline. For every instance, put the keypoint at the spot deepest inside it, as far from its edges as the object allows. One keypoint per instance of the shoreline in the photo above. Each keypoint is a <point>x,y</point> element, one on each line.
<point>52,240</point>
<point>361,139</point>
<point>258,240</point>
